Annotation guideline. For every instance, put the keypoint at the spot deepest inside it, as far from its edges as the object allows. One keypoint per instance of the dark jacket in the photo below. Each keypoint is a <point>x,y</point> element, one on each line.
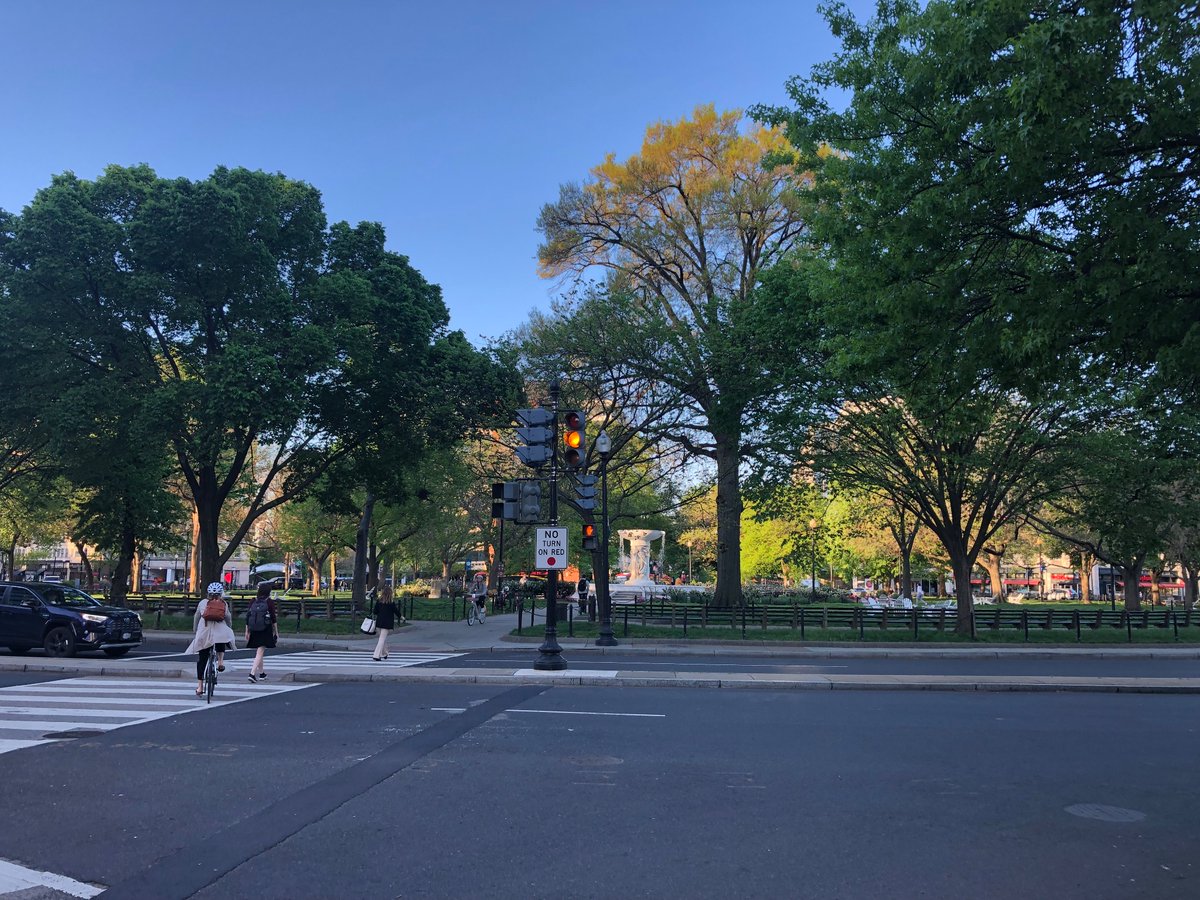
<point>385,615</point>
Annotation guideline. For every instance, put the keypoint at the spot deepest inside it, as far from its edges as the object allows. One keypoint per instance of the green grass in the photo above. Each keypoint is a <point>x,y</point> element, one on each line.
<point>287,627</point>
<point>1062,637</point>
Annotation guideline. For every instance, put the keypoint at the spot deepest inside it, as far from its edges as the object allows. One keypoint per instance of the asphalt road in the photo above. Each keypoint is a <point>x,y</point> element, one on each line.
<point>381,790</point>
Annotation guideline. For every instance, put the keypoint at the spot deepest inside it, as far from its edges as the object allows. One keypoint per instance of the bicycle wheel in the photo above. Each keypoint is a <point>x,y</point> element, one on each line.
<point>470,613</point>
<point>210,678</point>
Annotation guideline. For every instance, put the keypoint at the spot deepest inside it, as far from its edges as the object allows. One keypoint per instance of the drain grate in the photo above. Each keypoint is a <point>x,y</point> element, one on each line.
<point>77,733</point>
<point>1102,813</point>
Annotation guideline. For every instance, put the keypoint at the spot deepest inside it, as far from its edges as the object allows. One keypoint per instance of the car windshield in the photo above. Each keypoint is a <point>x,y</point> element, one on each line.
<point>70,597</point>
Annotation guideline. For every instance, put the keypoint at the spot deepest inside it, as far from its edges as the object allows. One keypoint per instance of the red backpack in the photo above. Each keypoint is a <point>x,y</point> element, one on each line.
<point>214,610</point>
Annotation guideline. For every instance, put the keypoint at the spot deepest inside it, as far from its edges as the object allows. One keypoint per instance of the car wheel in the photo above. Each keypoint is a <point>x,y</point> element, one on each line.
<point>114,652</point>
<point>60,642</point>
<point>18,650</point>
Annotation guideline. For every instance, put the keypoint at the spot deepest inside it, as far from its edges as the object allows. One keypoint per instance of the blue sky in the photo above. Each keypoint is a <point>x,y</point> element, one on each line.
<point>451,122</point>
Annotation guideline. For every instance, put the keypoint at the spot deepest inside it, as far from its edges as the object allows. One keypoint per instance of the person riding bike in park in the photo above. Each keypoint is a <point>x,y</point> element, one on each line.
<point>478,593</point>
<point>213,623</point>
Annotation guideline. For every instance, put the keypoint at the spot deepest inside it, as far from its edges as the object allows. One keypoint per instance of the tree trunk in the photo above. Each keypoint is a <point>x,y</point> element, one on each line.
<point>991,564</point>
<point>1085,577</point>
<point>120,590</point>
<point>193,584</point>
<point>314,578</point>
<point>87,566</point>
<point>962,566</point>
<point>208,513</point>
<point>1133,596</point>
<point>728,592</point>
<point>358,588</point>
<point>374,563</point>
<point>1191,580</point>
<point>137,572</point>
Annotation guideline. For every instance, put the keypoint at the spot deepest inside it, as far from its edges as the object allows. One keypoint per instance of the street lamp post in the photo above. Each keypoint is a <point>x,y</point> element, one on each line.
<point>605,638</point>
<point>689,546</point>
<point>813,525</point>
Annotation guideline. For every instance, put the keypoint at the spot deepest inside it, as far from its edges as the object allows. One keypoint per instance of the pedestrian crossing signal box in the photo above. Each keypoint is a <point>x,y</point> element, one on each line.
<point>550,547</point>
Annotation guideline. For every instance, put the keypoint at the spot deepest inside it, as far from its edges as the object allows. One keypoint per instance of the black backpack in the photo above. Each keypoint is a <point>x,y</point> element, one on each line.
<point>258,616</point>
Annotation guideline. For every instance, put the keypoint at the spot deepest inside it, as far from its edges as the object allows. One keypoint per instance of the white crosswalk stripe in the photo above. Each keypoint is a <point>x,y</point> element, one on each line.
<point>30,712</point>
<point>341,659</point>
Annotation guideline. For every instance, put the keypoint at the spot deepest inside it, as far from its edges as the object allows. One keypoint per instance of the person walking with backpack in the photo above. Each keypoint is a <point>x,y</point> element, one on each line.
<point>385,621</point>
<point>262,630</point>
<point>213,624</point>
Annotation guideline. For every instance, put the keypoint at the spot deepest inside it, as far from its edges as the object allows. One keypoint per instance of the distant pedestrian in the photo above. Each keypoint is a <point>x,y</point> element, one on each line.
<point>213,624</point>
<point>262,629</point>
<point>385,621</point>
<point>478,593</point>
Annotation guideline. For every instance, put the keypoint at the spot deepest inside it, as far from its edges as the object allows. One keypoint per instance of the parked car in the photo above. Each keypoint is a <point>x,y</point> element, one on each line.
<point>1062,594</point>
<point>1023,596</point>
<point>63,621</point>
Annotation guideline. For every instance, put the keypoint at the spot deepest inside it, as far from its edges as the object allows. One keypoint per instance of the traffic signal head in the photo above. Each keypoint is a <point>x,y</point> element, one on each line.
<point>574,439</point>
<point>535,448</point>
<point>590,541</point>
<point>587,492</point>
<point>498,501</point>
<point>529,502</point>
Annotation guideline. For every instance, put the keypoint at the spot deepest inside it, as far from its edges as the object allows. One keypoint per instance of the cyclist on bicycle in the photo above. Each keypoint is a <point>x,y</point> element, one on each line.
<point>478,594</point>
<point>211,632</point>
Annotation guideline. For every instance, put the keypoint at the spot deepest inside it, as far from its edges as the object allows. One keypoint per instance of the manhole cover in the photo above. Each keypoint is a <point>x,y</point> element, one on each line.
<point>1102,813</point>
<point>78,733</point>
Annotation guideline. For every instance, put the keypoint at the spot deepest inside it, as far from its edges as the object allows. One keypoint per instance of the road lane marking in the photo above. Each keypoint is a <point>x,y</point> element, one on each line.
<point>558,712</point>
<point>15,878</point>
<point>101,705</point>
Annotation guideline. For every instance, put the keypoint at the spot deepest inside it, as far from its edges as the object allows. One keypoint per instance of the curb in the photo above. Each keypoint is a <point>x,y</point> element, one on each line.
<point>721,680</point>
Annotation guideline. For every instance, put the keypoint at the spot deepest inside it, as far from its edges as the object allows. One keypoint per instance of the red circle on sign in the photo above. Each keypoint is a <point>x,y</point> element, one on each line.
<point>549,560</point>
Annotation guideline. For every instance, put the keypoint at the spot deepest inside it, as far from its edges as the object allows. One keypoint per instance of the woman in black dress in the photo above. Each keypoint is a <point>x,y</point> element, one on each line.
<point>385,621</point>
<point>261,634</point>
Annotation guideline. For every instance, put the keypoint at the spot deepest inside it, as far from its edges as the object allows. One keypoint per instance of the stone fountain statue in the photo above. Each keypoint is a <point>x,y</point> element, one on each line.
<point>639,552</point>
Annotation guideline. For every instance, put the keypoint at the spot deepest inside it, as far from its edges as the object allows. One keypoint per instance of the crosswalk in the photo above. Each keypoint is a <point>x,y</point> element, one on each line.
<point>33,714</point>
<point>341,659</point>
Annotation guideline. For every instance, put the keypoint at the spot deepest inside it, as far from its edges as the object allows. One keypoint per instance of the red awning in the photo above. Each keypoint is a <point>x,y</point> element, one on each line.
<point>1069,576</point>
<point>1028,582</point>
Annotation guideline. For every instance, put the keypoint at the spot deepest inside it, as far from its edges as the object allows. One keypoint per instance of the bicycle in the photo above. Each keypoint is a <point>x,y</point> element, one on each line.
<point>210,674</point>
<point>475,612</point>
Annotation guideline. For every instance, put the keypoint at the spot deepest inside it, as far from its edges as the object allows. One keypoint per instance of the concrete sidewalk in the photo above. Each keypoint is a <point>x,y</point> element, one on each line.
<point>494,636</point>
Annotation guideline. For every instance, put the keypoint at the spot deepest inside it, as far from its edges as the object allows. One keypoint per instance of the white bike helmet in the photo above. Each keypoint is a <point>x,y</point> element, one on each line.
<point>216,589</point>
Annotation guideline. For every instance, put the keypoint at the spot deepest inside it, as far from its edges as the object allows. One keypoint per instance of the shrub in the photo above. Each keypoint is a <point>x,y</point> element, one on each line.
<point>418,588</point>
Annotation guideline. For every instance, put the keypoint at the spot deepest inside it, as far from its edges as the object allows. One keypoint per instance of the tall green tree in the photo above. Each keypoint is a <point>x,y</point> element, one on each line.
<point>266,344</point>
<point>1014,180</point>
<point>683,230</point>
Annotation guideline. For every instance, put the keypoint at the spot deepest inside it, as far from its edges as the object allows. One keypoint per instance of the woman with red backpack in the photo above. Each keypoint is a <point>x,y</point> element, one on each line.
<point>213,622</point>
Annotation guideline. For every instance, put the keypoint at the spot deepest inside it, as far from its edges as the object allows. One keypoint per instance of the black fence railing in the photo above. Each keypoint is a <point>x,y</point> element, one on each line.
<point>802,617</point>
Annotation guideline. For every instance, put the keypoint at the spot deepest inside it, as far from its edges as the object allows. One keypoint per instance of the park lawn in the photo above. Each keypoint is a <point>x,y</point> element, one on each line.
<point>1058,637</point>
<point>287,627</point>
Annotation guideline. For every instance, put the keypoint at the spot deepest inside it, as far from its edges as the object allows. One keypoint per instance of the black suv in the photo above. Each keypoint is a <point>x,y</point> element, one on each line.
<point>63,621</point>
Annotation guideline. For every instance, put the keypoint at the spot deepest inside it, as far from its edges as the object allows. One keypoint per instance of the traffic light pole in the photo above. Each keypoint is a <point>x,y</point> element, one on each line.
<point>550,653</point>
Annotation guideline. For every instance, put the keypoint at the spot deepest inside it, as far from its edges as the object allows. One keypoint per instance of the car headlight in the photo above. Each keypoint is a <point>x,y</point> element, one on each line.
<point>92,617</point>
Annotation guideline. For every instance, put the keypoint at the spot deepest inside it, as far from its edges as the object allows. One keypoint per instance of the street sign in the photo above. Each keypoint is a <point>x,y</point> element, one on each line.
<point>550,547</point>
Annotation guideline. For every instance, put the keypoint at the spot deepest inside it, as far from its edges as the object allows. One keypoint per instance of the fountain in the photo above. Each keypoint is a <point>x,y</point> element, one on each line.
<point>639,553</point>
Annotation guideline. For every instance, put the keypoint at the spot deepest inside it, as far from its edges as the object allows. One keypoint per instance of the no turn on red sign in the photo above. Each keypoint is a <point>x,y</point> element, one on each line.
<point>550,548</point>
